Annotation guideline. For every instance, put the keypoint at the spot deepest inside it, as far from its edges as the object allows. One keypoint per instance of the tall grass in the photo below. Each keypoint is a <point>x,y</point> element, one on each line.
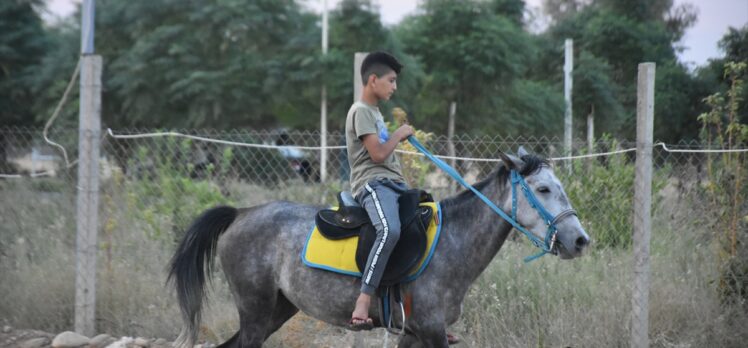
<point>37,266</point>
<point>547,303</point>
<point>37,256</point>
<point>587,302</point>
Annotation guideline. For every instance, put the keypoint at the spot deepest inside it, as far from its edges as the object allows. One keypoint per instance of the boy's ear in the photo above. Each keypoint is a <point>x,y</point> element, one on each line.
<point>370,79</point>
<point>511,162</point>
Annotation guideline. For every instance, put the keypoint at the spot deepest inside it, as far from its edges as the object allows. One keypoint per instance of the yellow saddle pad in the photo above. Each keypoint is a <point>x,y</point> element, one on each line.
<point>340,255</point>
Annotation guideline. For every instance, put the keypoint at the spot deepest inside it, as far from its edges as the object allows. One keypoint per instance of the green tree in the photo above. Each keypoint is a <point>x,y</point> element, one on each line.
<point>223,64</point>
<point>676,19</point>
<point>197,63</point>
<point>355,26</point>
<point>561,10</point>
<point>596,93</point>
<point>475,56</point>
<point>611,39</point>
<point>202,63</point>
<point>734,44</point>
<point>513,10</point>
<point>725,187</point>
<point>22,44</point>
<point>53,73</point>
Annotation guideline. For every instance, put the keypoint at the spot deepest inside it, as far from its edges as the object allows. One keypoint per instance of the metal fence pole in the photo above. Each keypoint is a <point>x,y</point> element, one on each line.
<point>323,106</point>
<point>590,136</point>
<point>591,130</point>
<point>642,205</point>
<point>358,84</point>
<point>450,141</point>
<point>568,69</point>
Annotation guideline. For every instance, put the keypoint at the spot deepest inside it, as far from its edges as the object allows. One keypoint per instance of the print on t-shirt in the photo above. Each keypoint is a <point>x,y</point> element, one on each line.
<point>382,131</point>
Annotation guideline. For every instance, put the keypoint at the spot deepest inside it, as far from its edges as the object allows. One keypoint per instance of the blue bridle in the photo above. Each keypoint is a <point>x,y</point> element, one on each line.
<point>546,244</point>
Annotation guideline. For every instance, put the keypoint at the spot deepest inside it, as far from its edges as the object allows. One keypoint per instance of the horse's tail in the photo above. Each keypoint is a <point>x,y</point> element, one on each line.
<point>187,268</point>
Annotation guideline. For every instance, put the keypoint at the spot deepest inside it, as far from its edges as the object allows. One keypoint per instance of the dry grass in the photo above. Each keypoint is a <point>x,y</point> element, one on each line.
<point>547,303</point>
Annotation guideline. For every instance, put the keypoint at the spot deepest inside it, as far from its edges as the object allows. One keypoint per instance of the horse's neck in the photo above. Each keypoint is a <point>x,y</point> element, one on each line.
<point>476,233</point>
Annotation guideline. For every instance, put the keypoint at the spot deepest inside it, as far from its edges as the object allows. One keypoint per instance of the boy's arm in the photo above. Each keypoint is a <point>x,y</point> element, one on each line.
<point>380,151</point>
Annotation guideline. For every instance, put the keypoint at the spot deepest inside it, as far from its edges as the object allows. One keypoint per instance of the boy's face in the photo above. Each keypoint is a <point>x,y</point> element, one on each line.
<point>384,86</point>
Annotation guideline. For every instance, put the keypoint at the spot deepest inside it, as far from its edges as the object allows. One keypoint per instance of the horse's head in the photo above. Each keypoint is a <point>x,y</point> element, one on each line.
<point>541,205</point>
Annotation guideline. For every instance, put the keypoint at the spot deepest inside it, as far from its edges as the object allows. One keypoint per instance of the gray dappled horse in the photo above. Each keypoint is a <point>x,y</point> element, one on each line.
<point>260,250</point>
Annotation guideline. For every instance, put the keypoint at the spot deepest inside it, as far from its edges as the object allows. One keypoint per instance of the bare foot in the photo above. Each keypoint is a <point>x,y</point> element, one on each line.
<point>360,318</point>
<point>452,339</point>
<point>362,307</point>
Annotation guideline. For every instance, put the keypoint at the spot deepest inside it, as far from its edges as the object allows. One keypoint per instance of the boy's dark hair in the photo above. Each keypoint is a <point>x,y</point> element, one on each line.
<point>379,63</point>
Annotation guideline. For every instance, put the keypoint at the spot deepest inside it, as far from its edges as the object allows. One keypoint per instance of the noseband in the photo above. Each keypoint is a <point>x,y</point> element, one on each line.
<point>547,245</point>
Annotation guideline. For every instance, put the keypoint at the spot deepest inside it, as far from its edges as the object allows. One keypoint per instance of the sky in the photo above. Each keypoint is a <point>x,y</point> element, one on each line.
<point>700,41</point>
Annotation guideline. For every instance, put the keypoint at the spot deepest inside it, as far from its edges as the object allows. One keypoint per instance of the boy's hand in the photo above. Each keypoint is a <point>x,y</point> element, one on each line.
<point>404,132</point>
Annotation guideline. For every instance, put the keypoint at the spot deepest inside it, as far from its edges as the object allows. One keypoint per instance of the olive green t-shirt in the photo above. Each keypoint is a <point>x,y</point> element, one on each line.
<point>365,119</point>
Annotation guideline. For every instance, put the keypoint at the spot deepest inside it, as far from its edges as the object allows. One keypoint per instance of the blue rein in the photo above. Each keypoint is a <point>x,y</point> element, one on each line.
<point>547,244</point>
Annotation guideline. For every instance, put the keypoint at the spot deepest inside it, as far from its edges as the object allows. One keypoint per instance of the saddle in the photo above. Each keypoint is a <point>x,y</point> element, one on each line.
<point>350,219</point>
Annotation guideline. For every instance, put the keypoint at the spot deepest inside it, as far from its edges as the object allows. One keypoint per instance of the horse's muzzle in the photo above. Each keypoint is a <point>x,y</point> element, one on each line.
<point>572,243</point>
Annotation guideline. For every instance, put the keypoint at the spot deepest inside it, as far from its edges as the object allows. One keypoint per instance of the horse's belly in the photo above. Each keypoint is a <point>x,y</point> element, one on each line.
<point>324,295</point>
<point>321,294</point>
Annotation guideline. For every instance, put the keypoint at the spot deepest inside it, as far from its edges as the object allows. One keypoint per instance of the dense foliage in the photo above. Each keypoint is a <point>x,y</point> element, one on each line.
<point>725,185</point>
<point>23,42</point>
<point>259,64</point>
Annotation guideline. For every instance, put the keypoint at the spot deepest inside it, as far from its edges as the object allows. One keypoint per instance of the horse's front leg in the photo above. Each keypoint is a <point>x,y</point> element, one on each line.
<point>433,337</point>
<point>428,327</point>
<point>408,341</point>
<point>427,321</point>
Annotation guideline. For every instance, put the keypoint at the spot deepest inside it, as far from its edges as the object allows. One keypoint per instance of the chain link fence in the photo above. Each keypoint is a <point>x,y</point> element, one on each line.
<point>152,186</point>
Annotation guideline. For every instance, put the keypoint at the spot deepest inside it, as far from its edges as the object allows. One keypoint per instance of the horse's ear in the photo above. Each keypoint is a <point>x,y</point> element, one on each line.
<point>511,162</point>
<point>522,152</point>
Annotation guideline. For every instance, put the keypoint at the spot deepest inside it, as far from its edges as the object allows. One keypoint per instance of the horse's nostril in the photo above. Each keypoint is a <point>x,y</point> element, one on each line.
<point>582,242</point>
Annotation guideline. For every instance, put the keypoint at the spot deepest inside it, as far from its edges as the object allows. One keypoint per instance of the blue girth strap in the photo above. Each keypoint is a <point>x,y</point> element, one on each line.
<point>547,244</point>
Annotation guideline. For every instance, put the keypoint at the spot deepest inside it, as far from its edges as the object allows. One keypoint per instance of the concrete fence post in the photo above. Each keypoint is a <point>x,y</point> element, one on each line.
<point>642,205</point>
<point>87,211</point>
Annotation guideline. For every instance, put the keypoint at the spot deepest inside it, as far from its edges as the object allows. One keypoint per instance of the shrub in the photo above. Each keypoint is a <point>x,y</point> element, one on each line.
<point>602,190</point>
<point>726,187</point>
<point>168,198</point>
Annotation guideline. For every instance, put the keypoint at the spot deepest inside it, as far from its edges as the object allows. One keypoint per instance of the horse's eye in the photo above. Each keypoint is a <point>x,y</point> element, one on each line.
<point>544,189</point>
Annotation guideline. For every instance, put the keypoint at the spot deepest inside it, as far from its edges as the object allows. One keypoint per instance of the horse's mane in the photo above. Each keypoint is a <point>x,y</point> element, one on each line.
<point>532,164</point>
<point>501,174</point>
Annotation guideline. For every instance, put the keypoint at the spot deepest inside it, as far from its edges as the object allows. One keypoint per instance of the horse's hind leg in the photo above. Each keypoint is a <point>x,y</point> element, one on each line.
<point>247,336</point>
<point>255,312</point>
<point>259,316</point>
<point>283,311</point>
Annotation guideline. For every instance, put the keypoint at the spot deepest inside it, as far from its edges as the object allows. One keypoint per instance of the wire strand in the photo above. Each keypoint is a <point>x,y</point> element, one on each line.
<point>112,134</point>
<point>217,141</point>
<point>56,113</point>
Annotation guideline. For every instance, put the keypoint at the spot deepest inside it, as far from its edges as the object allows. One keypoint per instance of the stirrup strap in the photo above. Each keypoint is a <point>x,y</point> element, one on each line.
<point>399,300</point>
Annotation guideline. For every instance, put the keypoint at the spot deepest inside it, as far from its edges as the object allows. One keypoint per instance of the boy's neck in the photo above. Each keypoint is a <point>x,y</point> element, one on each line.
<point>369,98</point>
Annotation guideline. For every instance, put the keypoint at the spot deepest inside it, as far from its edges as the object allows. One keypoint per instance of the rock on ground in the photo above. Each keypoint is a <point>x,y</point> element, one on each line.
<point>142,342</point>
<point>161,342</point>
<point>101,341</point>
<point>69,339</point>
<point>35,343</point>
<point>24,338</point>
